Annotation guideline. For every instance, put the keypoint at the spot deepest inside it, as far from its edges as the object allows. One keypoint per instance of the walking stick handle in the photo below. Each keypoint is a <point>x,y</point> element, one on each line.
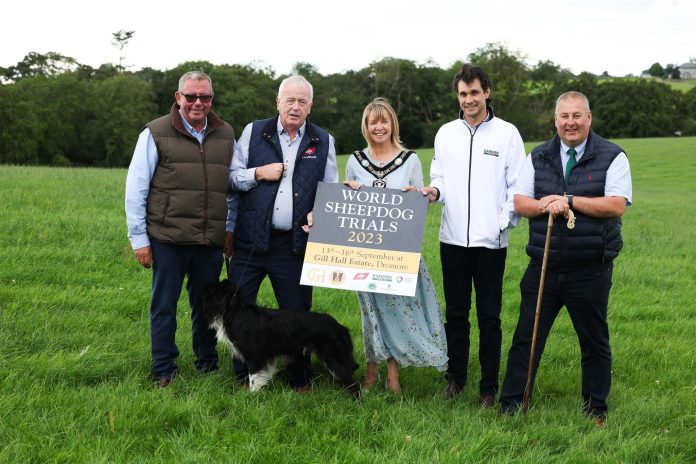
<point>571,219</point>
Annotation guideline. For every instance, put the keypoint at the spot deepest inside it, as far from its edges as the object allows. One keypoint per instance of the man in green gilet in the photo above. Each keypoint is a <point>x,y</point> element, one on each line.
<point>176,207</point>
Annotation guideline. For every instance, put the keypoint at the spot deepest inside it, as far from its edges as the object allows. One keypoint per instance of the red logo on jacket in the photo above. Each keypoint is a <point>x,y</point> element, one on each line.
<point>309,152</point>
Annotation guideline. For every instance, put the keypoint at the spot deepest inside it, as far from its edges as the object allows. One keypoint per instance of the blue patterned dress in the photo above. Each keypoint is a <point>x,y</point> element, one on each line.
<point>408,329</point>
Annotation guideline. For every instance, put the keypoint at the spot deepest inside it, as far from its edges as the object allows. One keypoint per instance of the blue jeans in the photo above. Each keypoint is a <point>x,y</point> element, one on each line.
<point>584,291</point>
<point>170,264</point>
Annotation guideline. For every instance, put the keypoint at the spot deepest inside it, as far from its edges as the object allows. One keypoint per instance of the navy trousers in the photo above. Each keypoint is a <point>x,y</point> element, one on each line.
<point>485,268</point>
<point>170,264</point>
<point>283,269</point>
<point>585,294</point>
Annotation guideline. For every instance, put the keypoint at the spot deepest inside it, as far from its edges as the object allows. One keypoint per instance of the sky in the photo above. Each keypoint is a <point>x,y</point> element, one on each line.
<point>618,36</point>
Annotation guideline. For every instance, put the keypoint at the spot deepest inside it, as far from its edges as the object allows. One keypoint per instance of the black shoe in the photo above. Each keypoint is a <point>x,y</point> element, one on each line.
<point>453,389</point>
<point>164,382</point>
<point>509,409</point>
<point>487,401</point>
<point>209,369</point>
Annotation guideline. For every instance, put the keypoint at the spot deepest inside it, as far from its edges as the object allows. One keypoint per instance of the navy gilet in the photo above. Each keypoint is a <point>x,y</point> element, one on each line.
<point>253,225</point>
<point>593,240</point>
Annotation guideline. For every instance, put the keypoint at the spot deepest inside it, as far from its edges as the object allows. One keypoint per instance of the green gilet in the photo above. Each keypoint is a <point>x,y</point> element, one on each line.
<point>187,202</point>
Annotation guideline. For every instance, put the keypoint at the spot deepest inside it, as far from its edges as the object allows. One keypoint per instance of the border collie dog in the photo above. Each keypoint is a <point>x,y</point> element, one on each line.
<point>261,336</point>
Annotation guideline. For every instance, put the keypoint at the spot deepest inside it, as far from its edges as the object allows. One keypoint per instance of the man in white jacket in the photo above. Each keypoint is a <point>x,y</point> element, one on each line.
<point>474,172</point>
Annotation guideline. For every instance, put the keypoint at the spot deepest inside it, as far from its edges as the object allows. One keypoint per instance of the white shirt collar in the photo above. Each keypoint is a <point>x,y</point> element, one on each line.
<point>579,150</point>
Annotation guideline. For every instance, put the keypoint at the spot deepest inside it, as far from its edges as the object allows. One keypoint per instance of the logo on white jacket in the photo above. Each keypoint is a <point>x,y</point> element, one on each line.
<point>490,152</point>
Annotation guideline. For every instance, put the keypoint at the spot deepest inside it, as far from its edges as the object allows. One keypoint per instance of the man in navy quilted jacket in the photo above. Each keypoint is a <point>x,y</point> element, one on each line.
<point>276,167</point>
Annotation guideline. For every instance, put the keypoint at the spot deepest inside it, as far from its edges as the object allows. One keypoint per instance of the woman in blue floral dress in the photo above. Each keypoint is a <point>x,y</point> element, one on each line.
<point>400,330</point>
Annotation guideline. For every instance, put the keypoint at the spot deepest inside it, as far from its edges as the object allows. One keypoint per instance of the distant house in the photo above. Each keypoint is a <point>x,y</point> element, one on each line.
<point>687,71</point>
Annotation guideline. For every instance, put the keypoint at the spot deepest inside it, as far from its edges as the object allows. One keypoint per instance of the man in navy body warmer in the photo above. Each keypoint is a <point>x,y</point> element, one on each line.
<point>576,170</point>
<point>276,167</point>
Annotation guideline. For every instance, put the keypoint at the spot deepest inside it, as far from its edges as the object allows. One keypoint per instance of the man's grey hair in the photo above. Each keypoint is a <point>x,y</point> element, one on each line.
<point>572,95</point>
<point>194,76</point>
<point>298,80</point>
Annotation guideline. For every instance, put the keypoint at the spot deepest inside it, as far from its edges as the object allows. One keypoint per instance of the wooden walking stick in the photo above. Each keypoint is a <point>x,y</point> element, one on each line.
<point>528,387</point>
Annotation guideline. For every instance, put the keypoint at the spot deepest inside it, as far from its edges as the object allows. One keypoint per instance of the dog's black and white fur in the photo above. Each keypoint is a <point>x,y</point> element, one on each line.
<point>262,336</point>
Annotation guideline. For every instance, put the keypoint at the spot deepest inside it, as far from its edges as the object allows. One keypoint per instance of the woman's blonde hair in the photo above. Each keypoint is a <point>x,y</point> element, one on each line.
<point>382,110</point>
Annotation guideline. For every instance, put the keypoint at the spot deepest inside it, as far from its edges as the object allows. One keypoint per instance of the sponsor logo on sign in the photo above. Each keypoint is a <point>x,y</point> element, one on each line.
<point>399,279</point>
<point>372,286</point>
<point>382,277</point>
<point>361,276</point>
<point>338,277</point>
<point>316,275</point>
<point>490,152</point>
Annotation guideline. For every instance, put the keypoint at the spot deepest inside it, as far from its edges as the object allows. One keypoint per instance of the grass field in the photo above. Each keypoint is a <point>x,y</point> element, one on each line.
<point>683,85</point>
<point>74,349</point>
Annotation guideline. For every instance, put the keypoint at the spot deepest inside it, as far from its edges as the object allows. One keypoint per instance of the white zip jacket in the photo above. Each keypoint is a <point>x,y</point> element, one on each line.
<point>475,170</point>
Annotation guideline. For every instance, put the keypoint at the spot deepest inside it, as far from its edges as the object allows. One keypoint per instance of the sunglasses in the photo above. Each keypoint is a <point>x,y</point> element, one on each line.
<point>191,98</point>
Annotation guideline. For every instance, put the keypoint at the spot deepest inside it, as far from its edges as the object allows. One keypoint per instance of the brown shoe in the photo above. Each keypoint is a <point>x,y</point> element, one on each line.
<point>303,389</point>
<point>452,390</point>
<point>487,401</point>
<point>164,383</point>
<point>599,421</point>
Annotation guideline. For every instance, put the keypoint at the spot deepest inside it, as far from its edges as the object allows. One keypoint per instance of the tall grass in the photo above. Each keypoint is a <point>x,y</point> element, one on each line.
<point>74,349</point>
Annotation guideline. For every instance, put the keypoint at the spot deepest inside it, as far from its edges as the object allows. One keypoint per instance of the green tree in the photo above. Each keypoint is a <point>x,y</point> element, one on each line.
<point>656,70</point>
<point>669,69</point>
<point>586,83</point>
<point>21,132</point>
<point>689,122</point>
<point>339,100</point>
<point>56,107</point>
<point>630,108</point>
<point>243,94</point>
<point>38,64</point>
<point>121,106</point>
<point>306,70</point>
<point>120,40</point>
<point>104,71</point>
<point>435,103</point>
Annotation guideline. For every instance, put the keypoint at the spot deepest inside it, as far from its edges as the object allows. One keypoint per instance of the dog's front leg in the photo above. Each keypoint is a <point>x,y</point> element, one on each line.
<point>261,377</point>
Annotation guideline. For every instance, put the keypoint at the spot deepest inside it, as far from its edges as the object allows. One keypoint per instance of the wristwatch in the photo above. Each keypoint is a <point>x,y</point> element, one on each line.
<point>570,200</point>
